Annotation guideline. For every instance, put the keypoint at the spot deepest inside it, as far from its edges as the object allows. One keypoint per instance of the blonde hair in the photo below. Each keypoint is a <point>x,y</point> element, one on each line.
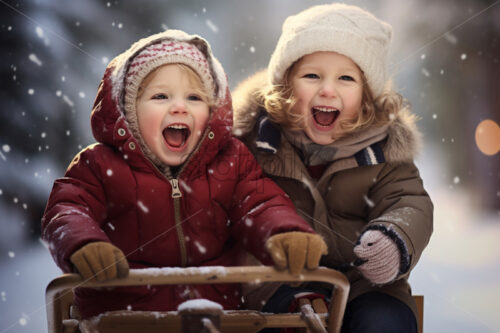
<point>193,77</point>
<point>278,100</point>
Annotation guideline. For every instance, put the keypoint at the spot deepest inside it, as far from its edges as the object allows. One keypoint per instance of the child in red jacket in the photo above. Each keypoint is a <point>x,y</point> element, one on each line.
<point>167,185</point>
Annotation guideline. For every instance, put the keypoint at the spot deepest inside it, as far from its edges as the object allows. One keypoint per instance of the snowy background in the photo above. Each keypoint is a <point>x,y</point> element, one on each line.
<point>444,59</point>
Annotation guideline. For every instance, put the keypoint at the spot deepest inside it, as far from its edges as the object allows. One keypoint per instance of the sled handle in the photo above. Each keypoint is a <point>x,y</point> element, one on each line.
<point>63,285</point>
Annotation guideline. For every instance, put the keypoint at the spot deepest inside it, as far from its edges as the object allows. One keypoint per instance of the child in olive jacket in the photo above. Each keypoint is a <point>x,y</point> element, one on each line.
<point>325,125</point>
<point>167,185</point>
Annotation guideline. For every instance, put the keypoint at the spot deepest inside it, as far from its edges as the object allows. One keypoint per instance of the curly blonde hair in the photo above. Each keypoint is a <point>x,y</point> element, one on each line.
<point>279,101</point>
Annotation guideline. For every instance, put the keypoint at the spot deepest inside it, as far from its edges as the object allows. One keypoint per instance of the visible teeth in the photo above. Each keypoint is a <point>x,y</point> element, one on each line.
<point>177,126</point>
<point>325,109</point>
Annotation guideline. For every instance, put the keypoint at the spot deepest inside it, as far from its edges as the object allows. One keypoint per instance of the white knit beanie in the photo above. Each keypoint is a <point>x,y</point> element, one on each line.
<point>341,28</point>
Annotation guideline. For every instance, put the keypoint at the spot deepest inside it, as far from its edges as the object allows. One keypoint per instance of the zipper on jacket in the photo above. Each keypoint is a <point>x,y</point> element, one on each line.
<point>177,195</point>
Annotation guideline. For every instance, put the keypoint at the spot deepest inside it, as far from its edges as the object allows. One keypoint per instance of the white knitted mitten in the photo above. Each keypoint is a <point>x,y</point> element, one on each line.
<point>381,257</point>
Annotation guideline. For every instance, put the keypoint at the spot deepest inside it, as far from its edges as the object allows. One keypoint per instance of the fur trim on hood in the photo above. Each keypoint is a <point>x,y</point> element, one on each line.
<point>403,142</point>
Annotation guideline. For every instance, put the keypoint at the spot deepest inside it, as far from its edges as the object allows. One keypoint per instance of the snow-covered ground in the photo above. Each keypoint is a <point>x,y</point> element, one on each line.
<point>458,273</point>
<point>24,275</point>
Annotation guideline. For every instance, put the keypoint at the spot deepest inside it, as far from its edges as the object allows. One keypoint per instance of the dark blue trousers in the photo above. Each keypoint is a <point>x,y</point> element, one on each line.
<point>372,312</point>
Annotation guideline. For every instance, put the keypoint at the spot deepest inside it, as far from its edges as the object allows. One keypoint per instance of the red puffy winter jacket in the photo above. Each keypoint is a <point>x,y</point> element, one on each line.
<point>219,203</point>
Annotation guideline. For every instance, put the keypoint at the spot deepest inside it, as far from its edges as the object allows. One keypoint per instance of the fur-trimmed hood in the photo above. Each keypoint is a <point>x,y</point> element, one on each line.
<point>403,139</point>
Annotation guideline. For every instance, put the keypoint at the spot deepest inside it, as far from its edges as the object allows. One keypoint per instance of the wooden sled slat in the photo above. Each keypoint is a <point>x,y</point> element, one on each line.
<point>59,295</point>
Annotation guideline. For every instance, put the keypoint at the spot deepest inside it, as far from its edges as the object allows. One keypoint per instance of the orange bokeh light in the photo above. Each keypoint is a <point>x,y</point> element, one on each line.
<point>488,137</point>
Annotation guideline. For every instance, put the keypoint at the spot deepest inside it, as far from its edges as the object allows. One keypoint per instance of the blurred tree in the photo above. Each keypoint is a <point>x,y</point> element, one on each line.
<point>459,71</point>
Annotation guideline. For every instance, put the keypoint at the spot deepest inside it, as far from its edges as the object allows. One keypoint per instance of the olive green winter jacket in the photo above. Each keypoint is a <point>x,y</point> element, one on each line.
<point>377,186</point>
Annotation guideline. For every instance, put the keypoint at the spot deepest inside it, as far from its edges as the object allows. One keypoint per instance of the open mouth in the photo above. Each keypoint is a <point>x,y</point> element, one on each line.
<point>325,116</point>
<point>176,136</point>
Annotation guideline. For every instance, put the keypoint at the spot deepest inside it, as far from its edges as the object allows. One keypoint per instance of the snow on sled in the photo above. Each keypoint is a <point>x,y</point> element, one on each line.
<point>198,316</point>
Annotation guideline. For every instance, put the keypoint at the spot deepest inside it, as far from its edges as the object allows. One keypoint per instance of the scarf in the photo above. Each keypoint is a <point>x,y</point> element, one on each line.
<point>315,154</point>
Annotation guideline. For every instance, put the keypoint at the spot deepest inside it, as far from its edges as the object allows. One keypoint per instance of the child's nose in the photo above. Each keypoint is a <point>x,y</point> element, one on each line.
<point>328,89</point>
<point>179,107</point>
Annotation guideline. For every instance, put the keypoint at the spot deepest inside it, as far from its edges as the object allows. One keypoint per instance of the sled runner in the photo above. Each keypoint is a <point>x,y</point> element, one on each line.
<point>63,318</point>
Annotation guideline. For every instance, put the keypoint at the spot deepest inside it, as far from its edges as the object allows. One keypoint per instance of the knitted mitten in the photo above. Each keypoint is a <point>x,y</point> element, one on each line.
<point>380,255</point>
<point>101,261</point>
<point>296,250</point>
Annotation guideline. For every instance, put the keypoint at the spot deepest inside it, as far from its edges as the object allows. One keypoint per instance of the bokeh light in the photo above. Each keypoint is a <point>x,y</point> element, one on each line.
<point>488,137</point>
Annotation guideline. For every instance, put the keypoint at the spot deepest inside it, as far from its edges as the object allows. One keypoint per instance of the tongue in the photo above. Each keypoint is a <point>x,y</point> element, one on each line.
<point>174,137</point>
<point>324,118</point>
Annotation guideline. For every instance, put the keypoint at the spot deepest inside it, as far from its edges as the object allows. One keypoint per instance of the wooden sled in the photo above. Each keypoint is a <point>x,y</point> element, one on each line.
<point>62,318</point>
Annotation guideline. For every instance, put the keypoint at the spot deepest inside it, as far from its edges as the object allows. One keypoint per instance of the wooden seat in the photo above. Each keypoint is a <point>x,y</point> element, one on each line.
<point>420,307</point>
<point>59,297</point>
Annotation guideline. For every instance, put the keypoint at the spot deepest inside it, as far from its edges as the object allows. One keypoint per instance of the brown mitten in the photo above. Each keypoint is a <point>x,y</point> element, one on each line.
<point>296,250</point>
<point>100,261</point>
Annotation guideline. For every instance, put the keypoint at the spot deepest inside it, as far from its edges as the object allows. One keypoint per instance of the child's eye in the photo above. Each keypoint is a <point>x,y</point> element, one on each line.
<point>159,96</point>
<point>311,76</point>
<point>347,78</point>
<point>194,97</point>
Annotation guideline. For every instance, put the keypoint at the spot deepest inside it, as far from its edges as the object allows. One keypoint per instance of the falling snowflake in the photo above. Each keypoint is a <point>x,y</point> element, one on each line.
<point>39,32</point>
<point>452,39</point>
<point>109,172</point>
<point>35,59</point>
<point>252,49</point>
<point>463,56</point>
<point>23,321</point>
<point>31,91</point>
<point>68,101</point>
<point>212,26</point>
<point>11,254</point>
<point>369,202</point>
<point>200,247</point>
<point>185,186</point>
<point>142,206</point>
<point>456,180</point>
